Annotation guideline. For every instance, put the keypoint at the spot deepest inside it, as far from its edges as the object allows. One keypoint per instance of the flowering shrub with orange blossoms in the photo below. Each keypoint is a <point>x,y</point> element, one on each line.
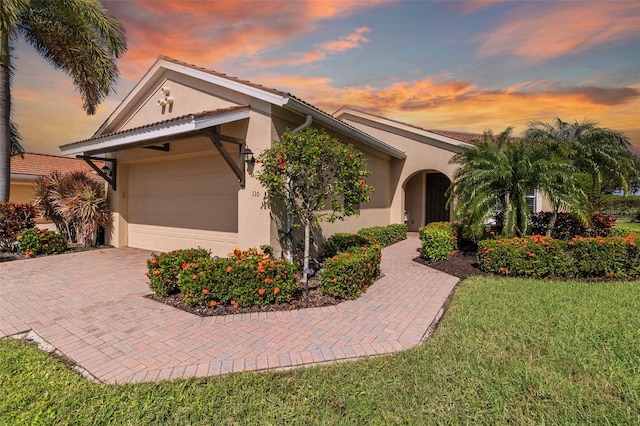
<point>540,256</point>
<point>346,275</point>
<point>245,278</point>
<point>163,269</point>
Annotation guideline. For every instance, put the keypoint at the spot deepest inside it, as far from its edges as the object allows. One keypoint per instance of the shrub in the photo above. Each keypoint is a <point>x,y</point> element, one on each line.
<point>540,256</point>
<point>567,226</point>
<point>439,239</point>
<point>14,217</point>
<point>623,230</point>
<point>341,242</point>
<point>386,235</point>
<point>33,241</point>
<point>346,275</point>
<point>617,205</point>
<point>244,279</point>
<point>601,225</point>
<point>163,269</point>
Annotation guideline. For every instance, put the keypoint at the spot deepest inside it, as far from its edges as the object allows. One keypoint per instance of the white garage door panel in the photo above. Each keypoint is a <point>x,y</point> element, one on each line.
<point>183,203</point>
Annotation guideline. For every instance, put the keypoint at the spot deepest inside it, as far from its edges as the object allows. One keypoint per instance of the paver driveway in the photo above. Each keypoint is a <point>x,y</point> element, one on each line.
<point>90,307</point>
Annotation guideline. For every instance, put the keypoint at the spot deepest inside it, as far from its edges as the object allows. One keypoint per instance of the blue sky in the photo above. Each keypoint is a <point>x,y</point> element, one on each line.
<point>456,65</point>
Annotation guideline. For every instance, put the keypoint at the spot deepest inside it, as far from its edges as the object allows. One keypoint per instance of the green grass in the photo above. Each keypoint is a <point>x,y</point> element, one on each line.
<point>627,222</point>
<point>507,351</point>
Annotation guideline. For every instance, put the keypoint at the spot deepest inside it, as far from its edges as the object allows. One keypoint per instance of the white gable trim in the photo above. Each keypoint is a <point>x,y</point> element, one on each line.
<point>164,130</point>
<point>400,128</point>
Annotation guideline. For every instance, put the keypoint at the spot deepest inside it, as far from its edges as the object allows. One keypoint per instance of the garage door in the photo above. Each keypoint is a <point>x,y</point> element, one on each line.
<point>189,202</point>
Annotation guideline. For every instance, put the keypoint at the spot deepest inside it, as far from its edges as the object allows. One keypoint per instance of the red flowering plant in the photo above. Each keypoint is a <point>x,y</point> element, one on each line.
<point>347,274</point>
<point>315,177</point>
<point>34,241</point>
<point>163,269</point>
<point>245,278</point>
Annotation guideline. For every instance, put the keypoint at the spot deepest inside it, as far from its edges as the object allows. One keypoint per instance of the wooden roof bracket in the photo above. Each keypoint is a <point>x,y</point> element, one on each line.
<point>164,147</point>
<point>217,139</point>
<point>111,176</point>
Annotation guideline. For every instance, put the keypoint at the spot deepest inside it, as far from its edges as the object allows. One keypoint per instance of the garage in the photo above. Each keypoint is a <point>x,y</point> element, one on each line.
<point>182,203</point>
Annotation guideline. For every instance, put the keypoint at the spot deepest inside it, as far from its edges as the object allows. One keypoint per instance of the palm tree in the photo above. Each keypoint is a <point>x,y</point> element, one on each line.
<point>601,153</point>
<point>79,37</point>
<point>496,173</point>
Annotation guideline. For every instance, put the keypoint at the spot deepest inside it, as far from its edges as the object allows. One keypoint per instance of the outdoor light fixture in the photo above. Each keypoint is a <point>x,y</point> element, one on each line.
<point>247,156</point>
<point>106,170</point>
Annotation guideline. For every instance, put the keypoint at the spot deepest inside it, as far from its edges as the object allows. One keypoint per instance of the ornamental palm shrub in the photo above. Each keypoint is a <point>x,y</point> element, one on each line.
<point>75,203</point>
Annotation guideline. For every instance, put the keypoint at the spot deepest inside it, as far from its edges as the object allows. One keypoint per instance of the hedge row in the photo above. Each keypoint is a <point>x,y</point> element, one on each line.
<point>245,278</point>
<point>439,239</point>
<point>346,275</point>
<point>540,257</point>
<point>618,205</point>
<point>385,235</point>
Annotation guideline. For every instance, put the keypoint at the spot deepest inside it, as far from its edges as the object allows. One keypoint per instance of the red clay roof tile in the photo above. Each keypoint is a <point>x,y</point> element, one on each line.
<point>44,164</point>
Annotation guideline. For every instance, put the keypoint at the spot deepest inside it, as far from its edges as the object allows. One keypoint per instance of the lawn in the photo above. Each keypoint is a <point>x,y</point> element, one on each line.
<point>507,351</point>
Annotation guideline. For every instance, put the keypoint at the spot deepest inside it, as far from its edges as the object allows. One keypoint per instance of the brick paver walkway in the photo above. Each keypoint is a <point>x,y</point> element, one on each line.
<point>89,306</point>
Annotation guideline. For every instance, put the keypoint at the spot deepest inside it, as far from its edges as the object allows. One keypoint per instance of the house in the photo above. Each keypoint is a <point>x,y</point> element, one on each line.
<point>26,169</point>
<point>175,149</point>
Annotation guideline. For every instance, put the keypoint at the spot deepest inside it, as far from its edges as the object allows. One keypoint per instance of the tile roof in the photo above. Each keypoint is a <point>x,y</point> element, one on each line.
<point>461,136</point>
<point>44,164</point>
<point>158,123</point>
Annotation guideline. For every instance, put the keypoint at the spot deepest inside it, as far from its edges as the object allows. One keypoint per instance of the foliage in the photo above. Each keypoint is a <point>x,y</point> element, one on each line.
<point>163,268</point>
<point>316,177</point>
<point>386,235</point>
<point>567,226</point>
<point>496,173</point>
<point>540,256</point>
<point>246,280</point>
<point>601,153</point>
<point>79,37</point>
<point>622,230</point>
<point>34,241</point>
<point>438,239</point>
<point>13,218</point>
<point>340,242</point>
<point>346,275</point>
<point>507,351</point>
<point>75,203</point>
<point>617,205</point>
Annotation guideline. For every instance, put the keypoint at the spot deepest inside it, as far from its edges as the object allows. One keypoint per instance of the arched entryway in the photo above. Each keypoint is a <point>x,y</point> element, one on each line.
<point>425,199</point>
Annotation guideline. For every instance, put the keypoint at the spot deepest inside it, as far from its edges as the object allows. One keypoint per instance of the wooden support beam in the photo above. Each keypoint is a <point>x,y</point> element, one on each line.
<point>165,147</point>
<point>216,138</point>
<point>112,177</point>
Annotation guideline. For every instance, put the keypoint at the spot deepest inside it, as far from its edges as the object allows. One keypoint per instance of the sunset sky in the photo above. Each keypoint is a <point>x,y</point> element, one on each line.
<point>455,65</point>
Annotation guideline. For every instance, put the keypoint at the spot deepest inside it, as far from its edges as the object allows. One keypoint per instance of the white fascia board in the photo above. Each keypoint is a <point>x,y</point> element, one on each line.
<point>163,130</point>
<point>393,127</point>
<point>342,127</point>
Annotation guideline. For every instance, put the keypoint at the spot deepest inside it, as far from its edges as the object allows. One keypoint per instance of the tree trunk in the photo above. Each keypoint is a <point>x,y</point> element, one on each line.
<point>305,262</point>
<point>552,222</point>
<point>5,116</point>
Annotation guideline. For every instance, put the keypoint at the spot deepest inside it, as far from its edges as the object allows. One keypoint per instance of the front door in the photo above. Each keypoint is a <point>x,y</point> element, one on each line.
<point>437,209</point>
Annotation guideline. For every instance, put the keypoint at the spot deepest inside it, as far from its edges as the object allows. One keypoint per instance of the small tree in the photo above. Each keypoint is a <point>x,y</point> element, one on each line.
<point>317,178</point>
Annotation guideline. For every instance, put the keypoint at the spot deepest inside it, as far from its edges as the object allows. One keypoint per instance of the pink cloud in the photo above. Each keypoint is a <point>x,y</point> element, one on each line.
<point>352,41</point>
<point>540,34</point>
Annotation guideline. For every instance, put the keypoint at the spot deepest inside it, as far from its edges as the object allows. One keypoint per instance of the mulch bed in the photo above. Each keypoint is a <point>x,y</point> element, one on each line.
<point>73,248</point>
<point>460,264</point>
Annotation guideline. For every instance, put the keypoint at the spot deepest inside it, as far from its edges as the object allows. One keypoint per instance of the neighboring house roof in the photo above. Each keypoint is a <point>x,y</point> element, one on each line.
<point>445,139</point>
<point>272,96</point>
<point>33,165</point>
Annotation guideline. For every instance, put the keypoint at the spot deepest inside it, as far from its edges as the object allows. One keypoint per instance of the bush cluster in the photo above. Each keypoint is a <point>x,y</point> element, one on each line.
<point>33,241</point>
<point>623,230</point>
<point>163,269</point>
<point>245,278</point>
<point>540,256</point>
<point>617,205</point>
<point>340,242</point>
<point>439,239</point>
<point>346,275</point>
<point>385,235</point>
<point>14,217</point>
<point>567,226</point>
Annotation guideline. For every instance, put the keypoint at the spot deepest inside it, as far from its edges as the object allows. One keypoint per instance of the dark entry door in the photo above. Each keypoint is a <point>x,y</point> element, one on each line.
<point>437,209</point>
